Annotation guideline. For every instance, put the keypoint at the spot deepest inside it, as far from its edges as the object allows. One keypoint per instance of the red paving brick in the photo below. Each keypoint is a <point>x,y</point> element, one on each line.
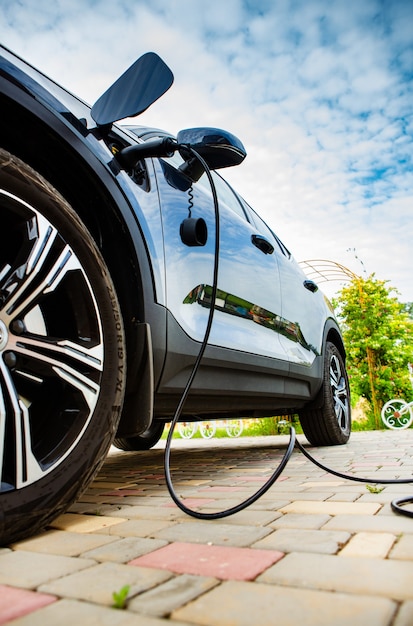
<point>225,563</point>
<point>18,602</point>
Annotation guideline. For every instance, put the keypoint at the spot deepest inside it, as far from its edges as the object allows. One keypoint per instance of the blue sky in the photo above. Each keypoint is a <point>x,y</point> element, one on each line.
<point>319,91</point>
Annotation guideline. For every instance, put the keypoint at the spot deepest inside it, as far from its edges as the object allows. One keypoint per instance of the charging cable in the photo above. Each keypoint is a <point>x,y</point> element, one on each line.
<point>396,505</point>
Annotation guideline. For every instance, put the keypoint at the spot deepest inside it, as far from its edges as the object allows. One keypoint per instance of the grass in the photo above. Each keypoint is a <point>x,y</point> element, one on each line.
<point>119,597</point>
<point>251,428</point>
<point>374,489</point>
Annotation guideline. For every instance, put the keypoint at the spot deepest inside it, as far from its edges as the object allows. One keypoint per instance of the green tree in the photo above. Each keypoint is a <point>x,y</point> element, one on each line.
<point>408,307</point>
<point>378,335</point>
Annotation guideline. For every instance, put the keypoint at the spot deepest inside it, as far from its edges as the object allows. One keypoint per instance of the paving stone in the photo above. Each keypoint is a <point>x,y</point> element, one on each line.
<point>213,532</point>
<point>327,483</point>
<point>218,490</point>
<point>194,482</point>
<point>251,518</point>
<point>153,512</point>
<point>331,508</point>
<point>206,560</point>
<point>83,523</point>
<point>268,504</point>
<point>136,528</point>
<point>288,540</point>
<point>403,548</point>
<point>124,550</point>
<point>292,492</point>
<point>395,524</point>
<point>246,604</point>
<point>382,497</point>
<point>88,498</point>
<point>365,576</point>
<point>401,489</point>
<point>348,487</point>
<point>386,510</point>
<point>229,503</point>
<point>192,503</point>
<point>70,612</point>
<point>291,496</point>
<point>65,543</point>
<point>169,596</point>
<point>98,583</point>
<point>405,615</point>
<point>375,545</point>
<point>136,499</point>
<point>136,490</point>
<point>30,569</point>
<point>349,496</point>
<point>85,507</point>
<point>17,602</point>
<point>106,484</point>
<point>160,498</point>
<point>297,520</point>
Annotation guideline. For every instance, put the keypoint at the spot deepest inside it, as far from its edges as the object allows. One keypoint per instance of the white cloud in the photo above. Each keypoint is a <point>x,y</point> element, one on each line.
<point>319,92</point>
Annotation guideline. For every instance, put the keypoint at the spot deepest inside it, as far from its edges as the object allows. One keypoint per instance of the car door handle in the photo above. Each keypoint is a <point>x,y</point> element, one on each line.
<point>262,244</point>
<point>310,285</point>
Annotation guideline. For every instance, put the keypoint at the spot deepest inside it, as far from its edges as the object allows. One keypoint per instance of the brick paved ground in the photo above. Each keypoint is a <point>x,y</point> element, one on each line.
<point>315,550</point>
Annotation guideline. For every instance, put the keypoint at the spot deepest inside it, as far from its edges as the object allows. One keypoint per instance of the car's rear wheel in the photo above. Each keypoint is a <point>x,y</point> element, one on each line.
<point>61,353</point>
<point>144,441</point>
<point>330,423</point>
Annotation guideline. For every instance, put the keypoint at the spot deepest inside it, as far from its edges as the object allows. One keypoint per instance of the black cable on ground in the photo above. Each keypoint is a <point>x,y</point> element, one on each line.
<point>396,505</point>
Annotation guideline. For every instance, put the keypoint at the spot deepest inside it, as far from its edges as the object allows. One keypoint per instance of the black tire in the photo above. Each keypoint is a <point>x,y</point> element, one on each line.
<point>330,425</point>
<point>62,364</point>
<point>144,441</point>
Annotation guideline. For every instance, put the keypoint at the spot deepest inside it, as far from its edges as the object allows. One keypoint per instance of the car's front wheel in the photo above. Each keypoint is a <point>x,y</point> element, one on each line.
<point>330,423</point>
<point>61,353</point>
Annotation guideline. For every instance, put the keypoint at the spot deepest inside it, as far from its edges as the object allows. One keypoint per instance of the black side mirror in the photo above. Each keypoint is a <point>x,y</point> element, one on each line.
<point>218,148</point>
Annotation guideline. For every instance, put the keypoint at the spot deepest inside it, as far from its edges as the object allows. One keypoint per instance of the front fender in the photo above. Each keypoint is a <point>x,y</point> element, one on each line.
<point>72,160</point>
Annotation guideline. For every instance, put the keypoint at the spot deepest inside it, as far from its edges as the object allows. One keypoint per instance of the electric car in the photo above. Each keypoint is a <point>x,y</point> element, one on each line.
<point>125,261</point>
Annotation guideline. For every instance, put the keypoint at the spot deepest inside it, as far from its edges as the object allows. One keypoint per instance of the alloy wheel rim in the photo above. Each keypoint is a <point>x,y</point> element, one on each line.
<point>339,390</point>
<point>51,354</point>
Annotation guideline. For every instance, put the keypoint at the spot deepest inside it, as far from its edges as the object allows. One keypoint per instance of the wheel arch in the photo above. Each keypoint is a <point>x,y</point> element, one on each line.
<point>332,333</point>
<point>51,147</point>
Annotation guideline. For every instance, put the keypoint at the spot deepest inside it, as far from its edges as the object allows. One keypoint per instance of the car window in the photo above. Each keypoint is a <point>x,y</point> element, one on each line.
<point>226,195</point>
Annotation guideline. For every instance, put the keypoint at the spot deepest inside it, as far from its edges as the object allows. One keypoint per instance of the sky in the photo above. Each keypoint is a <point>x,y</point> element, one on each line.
<point>320,92</point>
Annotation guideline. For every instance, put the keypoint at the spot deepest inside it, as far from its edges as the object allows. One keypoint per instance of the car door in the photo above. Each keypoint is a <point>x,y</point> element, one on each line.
<point>303,307</point>
<point>248,305</point>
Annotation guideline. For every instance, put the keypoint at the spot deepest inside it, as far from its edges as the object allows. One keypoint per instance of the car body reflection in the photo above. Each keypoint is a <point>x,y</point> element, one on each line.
<point>233,305</point>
